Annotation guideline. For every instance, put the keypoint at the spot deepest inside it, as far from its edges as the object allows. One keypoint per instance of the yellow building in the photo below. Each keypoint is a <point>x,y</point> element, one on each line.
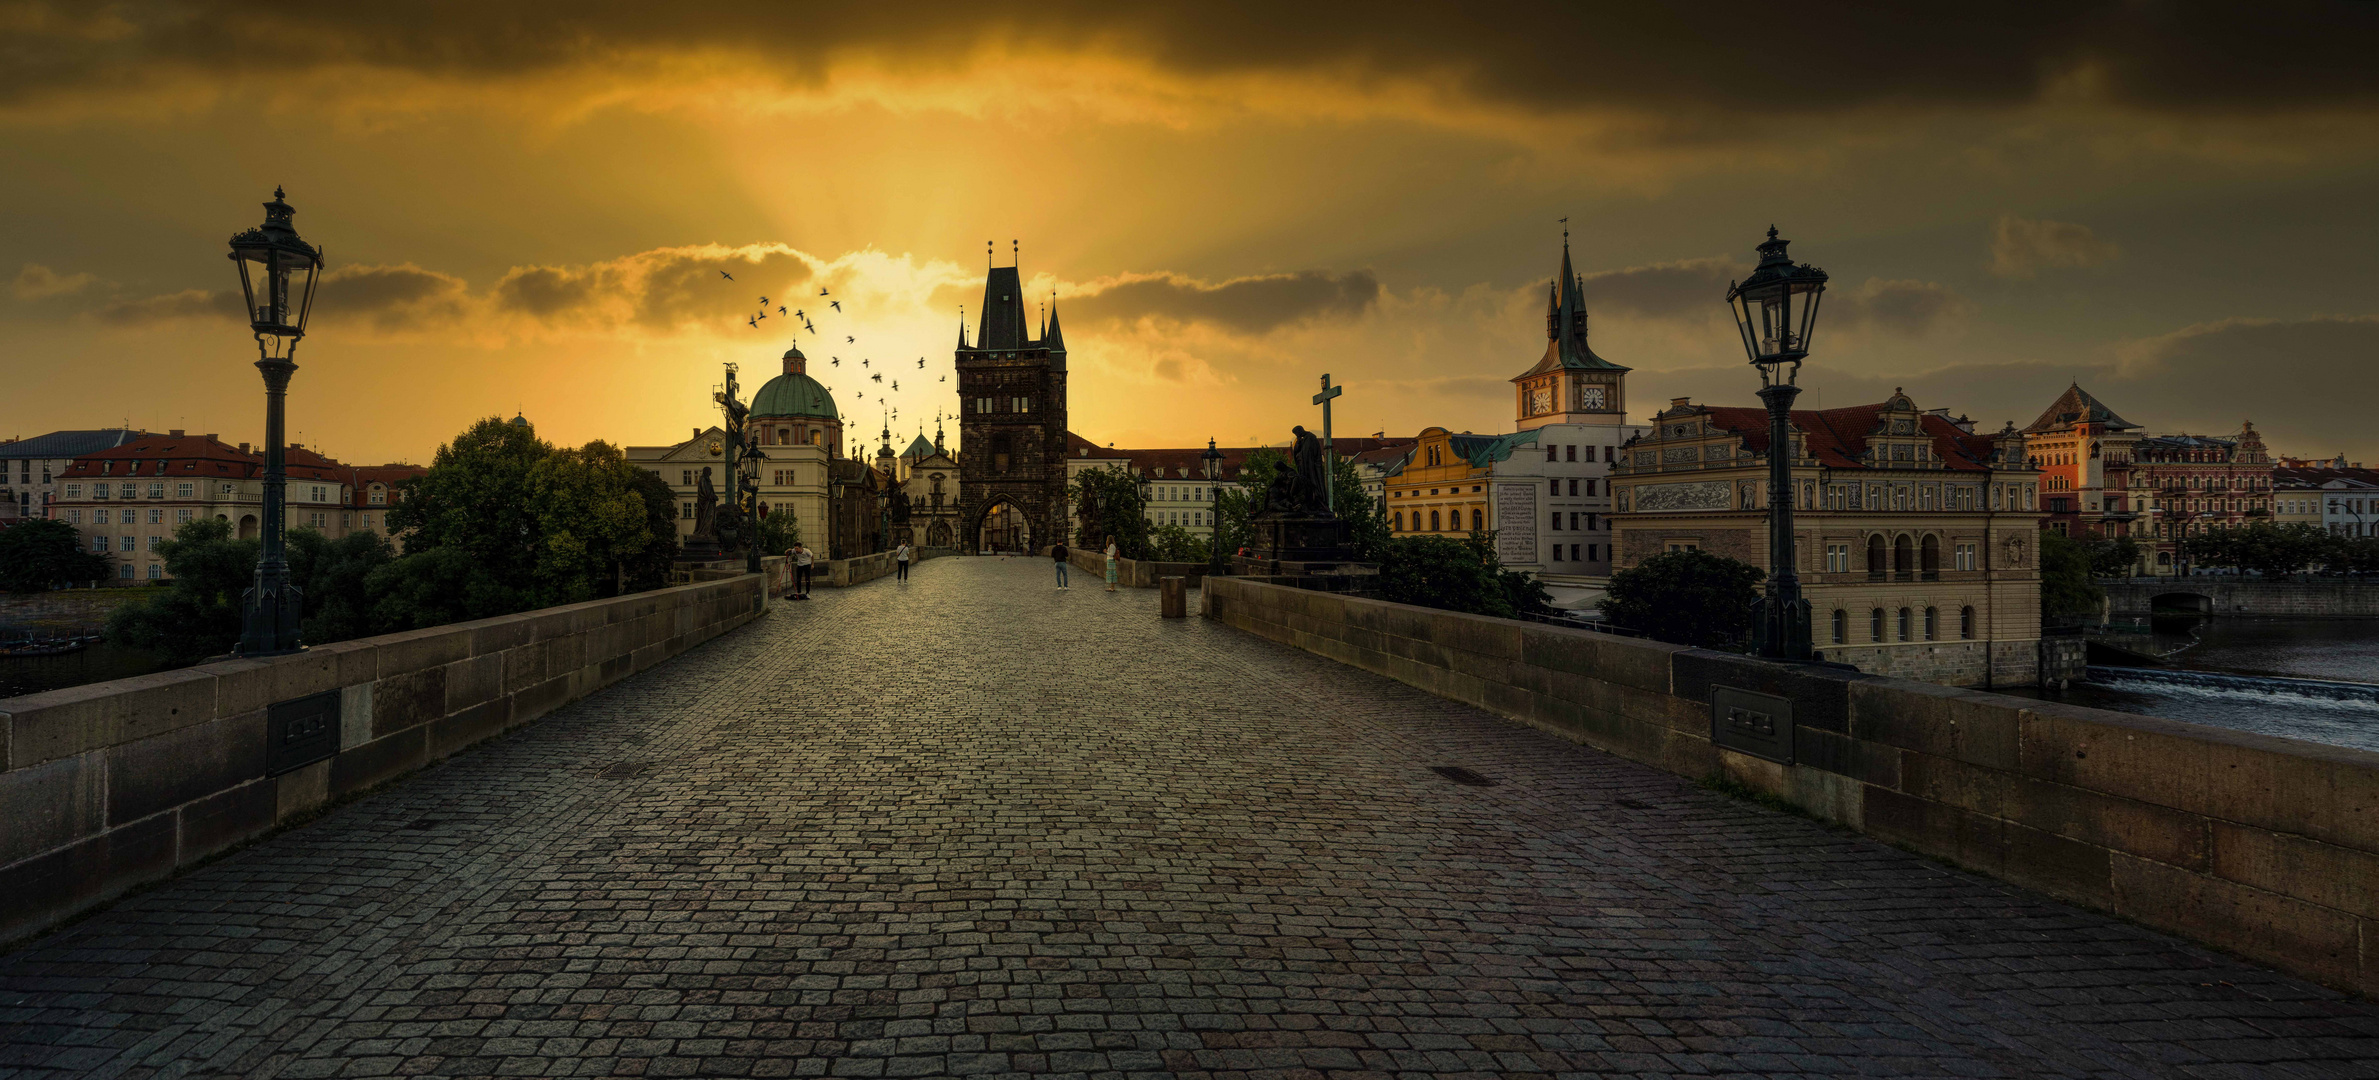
<point>1443,486</point>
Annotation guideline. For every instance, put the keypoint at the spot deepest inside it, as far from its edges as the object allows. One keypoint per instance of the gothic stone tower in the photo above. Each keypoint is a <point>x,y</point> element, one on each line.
<point>1011,424</point>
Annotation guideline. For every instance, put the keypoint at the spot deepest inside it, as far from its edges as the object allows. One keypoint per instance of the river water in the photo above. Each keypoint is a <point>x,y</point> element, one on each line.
<point>2248,674</point>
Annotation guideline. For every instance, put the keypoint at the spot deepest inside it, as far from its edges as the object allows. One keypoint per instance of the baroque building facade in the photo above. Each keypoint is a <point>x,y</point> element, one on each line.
<point>1011,424</point>
<point>1915,538</point>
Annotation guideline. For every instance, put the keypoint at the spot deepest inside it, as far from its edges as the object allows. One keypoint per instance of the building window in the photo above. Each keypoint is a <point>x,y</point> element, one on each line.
<point>1837,560</point>
<point>1966,623</point>
<point>1478,521</point>
<point>1591,552</point>
<point>156,572</point>
<point>1875,624</point>
<point>1433,522</point>
<point>124,571</point>
<point>1841,627</point>
<point>1932,623</point>
<point>128,544</point>
<point>182,491</point>
<point>157,490</point>
<point>1556,490</point>
<point>1907,623</point>
<point>1965,556</point>
<point>685,511</point>
<point>131,490</point>
<point>98,517</point>
<point>154,541</point>
<point>180,516</point>
<point>367,520</point>
<point>156,515</point>
<point>1399,521</point>
<point>1552,453</point>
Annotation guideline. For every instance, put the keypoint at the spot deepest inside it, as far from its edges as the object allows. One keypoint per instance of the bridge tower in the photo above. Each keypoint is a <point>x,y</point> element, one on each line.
<point>1011,423</point>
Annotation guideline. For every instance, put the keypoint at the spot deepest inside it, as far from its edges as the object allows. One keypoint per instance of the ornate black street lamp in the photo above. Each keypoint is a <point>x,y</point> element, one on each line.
<point>277,276</point>
<point>1211,463</point>
<point>1776,312</point>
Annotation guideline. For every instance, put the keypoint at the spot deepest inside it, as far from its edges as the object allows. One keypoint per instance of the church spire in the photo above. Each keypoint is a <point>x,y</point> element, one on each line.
<point>1052,338</point>
<point>962,326</point>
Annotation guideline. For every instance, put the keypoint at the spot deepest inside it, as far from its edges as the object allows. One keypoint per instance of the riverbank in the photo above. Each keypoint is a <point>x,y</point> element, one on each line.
<point>2252,660</point>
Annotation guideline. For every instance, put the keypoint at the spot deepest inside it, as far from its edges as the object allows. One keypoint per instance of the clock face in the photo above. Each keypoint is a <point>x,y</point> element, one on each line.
<point>1540,400</point>
<point>1590,398</point>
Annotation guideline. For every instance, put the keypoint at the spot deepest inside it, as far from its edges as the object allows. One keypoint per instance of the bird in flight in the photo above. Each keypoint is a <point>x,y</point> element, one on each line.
<point>780,309</point>
<point>849,338</point>
<point>821,292</point>
<point>836,304</point>
<point>800,314</point>
<point>863,362</point>
<point>877,377</point>
<point>920,361</point>
<point>726,275</point>
<point>763,301</point>
<point>945,378</point>
<point>838,361</point>
<point>763,315</point>
<point>896,384</point>
<point>753,323</point>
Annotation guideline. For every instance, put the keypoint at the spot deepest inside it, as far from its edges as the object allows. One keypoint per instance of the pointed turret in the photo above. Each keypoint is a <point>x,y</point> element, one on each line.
<point>1565,324</point>
<point>962,326</point>
<point>1002,327</point>
<point>1054,338</point>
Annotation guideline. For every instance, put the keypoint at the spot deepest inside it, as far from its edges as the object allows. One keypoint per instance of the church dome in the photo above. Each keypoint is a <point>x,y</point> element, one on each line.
<point>794,393</point>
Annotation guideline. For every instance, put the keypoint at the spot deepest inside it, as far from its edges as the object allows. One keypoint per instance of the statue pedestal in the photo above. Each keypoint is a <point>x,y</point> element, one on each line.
<point>1303,538</point>
<point>700,549</point>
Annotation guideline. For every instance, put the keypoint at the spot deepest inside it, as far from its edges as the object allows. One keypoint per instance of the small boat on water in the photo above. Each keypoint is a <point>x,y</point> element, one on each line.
<point>30,647</point>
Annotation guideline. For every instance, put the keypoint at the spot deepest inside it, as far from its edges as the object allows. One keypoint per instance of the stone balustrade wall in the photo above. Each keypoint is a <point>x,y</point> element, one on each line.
<point>2263,846</point>
<point>107,786</point>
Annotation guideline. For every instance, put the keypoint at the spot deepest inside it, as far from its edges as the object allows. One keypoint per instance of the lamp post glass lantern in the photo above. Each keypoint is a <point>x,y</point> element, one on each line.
<point>1775,311</point>
<point>278,272</point>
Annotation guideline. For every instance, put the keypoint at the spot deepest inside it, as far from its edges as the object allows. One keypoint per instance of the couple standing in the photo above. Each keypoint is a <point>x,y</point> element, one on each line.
<point>1058,554</point>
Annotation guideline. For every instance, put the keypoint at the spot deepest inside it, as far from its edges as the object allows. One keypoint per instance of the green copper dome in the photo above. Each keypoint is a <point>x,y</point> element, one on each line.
<point>794,394</point>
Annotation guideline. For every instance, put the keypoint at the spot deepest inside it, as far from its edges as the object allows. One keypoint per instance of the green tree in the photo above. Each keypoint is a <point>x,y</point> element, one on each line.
<point>40,553</point>
<point>2065,585</point>
<point>1687,597</point>
<point>1108,499</point>
<point>588,522</point>
<point>333,576</point>
<point>778,532</point>
<point>649,569</point>
<point>474,498</point>
<point>198,615</point>
<point>2112,558</point>
<point>1172,543</point>
<point>437,586</point>
<point>1457,575</point>
<point>1366,517</point>
<point>1240,501</point>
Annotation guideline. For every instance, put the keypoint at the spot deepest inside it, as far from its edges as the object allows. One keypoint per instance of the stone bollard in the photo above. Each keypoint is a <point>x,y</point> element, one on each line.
<point>1173,597</point>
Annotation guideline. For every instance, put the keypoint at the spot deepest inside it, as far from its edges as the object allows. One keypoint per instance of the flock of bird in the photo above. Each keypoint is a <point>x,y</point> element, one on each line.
<point>754,320</point>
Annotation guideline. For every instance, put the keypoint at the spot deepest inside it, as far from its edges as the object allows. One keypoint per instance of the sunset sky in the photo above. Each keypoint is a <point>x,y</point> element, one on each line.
<point>525,205</point>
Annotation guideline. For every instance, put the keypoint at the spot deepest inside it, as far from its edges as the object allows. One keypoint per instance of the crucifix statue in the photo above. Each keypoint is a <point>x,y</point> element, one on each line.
<point>1329,464</point>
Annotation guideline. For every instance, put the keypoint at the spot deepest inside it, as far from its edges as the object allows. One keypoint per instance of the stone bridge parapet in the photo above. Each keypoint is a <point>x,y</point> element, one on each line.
<point>2227,595</point>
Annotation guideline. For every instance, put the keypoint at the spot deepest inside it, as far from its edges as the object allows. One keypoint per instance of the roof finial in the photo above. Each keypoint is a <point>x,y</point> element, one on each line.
<point>987,248</point>
<point>1771,232</point>
<point>1015,253</point>
<point>1565,232</point>
<point>277,192</point>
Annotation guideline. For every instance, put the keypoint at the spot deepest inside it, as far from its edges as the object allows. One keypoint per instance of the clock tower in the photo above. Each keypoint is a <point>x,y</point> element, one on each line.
<point>1570,384</point>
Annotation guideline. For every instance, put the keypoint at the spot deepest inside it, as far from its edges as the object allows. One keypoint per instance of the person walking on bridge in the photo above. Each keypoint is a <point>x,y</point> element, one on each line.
<point>1057,551</point>
<point>900,561</point>
<point>1112,553</point>
<point>801,559</point>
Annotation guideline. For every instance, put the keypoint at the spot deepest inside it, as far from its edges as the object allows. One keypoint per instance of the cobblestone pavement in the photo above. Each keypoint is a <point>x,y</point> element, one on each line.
<point>972,825</point>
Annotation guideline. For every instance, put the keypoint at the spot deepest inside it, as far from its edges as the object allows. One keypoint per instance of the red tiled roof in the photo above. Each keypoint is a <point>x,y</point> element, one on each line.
<point>1836,437</point>
<point>1190,463</point>
<point>198,455</point>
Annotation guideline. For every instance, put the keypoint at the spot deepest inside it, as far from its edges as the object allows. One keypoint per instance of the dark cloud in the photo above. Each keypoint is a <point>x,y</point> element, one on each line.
<point>2021,247</point>
<point>187,304</point>
<point>391,298</point>
<point>1690,286</point>
<point>1249,304</point>
<point>38,282</point>
<point>1544,54</point>
<point>2305,384</point>
<point>1907,308</point>
<point>661,289</point>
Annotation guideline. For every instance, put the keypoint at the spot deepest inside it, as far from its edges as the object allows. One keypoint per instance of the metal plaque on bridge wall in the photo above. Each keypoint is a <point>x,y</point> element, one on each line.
<point>301,732</point>
<point>1753,723</point>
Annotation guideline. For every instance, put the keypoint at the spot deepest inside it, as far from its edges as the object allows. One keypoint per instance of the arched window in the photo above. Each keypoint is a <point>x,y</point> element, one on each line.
<point>1875,555</point>
<point>1433,521</point>
<point>1906,621</point>
<point>1930,555</point>
<point>1478,521</point>
<point>1966,622</point>
<point>1841,627</point>
<point>1932,623</point>
<point>1399,526</point>
<point>1875,624</point>
<point>1903,554</point>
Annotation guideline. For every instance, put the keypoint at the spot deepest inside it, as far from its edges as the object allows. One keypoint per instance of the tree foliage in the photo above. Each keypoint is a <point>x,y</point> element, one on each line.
<point>1366,517</point>
<point>501,523</point>
<point>2271,550</point>
<point>41,553</point>
<point>2112,558</point>
<point>1108,500</point>
<point>2065,585</point>
<point>1172,543</point>
<point>1689,597</point>
<point>1457,575</point>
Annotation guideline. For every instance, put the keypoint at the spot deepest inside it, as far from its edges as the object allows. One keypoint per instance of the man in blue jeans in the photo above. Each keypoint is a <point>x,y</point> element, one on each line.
<point>1058,552</point>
